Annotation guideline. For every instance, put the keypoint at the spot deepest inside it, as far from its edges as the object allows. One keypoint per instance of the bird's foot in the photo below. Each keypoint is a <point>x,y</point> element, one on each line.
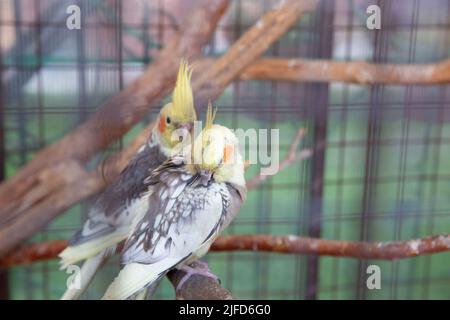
<point>196,268</point>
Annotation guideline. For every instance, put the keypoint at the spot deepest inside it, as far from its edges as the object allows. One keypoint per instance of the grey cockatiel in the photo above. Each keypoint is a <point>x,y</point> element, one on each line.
<point>109,220</point>
<point>191,203</point>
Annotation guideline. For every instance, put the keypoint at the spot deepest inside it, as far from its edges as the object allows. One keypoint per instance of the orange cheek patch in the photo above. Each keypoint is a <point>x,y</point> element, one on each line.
<point>162,124</point>
<point>228,153</point>
<point>246,164</point>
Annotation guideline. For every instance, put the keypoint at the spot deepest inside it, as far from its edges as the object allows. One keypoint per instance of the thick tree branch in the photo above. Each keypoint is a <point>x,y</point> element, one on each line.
<point>126,108</point>
<point>357,72</point>
<point>212,79</point>
<point>277,244</point>
<point>30,199</point>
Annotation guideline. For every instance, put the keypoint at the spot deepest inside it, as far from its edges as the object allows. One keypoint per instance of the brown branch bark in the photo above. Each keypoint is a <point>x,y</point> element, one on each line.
<point>358,72</point>
<point>125,109</point>
<point>351,249</point>
<point>277,244</point>
<point>30,253</point>
<point>198,287</point>
<point>28,203</point>
<point>55,179</point>
<point>213,79</point>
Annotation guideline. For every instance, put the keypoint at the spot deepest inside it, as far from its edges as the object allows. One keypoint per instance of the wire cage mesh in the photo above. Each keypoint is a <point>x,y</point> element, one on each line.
<point>378,171</point>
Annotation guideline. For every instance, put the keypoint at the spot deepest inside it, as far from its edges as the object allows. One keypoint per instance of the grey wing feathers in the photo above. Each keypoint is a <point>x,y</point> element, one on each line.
<point>112,207</point>
<point>91,230</point>
<point>168,181</point>
<point>190,213</point>
<point>233,202</point>
<point>130,183</point>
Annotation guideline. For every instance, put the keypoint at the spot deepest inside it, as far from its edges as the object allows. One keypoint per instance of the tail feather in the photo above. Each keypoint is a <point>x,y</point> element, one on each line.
<point>87,272</point>
<point>135,276</point>
<point>76,253</point>
<point>139,295</point>
<point>147,293</point>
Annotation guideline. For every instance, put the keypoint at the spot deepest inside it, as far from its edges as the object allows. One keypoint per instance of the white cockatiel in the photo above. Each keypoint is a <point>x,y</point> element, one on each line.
<point>109,220</point>
<point>194,197</point>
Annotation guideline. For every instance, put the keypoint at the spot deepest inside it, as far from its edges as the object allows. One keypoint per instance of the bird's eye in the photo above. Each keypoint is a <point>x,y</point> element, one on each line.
<point>168,120</point>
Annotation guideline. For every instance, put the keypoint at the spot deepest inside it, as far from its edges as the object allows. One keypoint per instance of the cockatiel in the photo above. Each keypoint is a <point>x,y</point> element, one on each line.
<point>191,203</point>
<point>109,220</point>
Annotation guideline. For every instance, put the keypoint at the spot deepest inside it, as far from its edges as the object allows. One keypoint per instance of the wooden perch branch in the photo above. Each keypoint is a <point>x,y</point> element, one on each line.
<point>351,249</point>
<point>358,72</point>
<point>198,287</point>
<point>277,244</point>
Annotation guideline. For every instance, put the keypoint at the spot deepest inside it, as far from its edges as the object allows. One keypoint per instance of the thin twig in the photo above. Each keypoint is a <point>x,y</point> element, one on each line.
<point>291,157</point>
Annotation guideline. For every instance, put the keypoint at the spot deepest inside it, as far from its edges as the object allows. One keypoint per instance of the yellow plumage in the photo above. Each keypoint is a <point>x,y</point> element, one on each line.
<point>210,116</point>
<point>203,140</point>
<point>183,98</point>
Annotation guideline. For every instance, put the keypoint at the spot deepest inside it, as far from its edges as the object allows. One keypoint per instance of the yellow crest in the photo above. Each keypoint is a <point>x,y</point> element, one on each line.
<point>183,100</point>
<point>202,140</point>
<point>210,115</point>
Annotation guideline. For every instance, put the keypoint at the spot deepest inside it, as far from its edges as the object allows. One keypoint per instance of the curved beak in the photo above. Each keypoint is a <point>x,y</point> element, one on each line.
<point>186,126</point>
<point>184,130</point>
